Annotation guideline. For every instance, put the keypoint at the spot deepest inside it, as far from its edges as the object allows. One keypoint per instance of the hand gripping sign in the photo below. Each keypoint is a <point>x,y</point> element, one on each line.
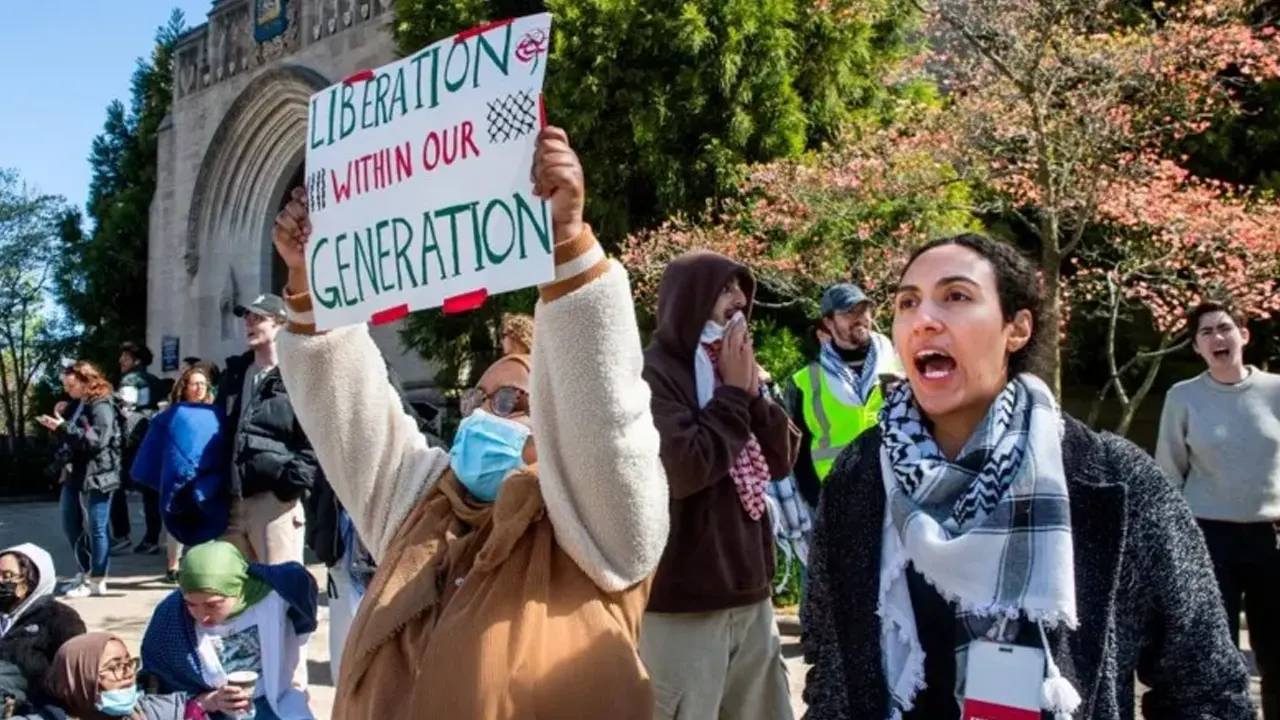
<point>418,178</point>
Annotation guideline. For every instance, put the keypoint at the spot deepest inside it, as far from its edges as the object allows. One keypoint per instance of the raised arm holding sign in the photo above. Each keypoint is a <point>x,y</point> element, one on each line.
<point>513,571</point>
<point>417,178</point>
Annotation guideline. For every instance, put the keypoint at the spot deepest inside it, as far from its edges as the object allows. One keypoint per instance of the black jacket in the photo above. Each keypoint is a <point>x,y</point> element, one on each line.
<point>36,636</point>
<point>323,508</point>
<point>1145,592</point>
<point>267,449</point>
<point>94,443</point>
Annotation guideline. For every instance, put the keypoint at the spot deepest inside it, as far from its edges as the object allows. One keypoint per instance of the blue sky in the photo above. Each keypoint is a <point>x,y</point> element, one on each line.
<point>63,61</point>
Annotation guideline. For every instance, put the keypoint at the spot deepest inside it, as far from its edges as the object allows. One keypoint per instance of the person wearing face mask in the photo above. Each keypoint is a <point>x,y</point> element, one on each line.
<point>32,624</point>
<point>513,568</point>
<point>980,550</point>
<point>1220,445</point>
<point>709,635</point>
<point>229,616</point>
<point>93,677</point>
<point>837,397</point>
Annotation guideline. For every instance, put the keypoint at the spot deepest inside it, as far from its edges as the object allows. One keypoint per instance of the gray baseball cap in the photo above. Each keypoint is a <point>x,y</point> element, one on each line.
<point>842,298</point>
<point>266,305</point>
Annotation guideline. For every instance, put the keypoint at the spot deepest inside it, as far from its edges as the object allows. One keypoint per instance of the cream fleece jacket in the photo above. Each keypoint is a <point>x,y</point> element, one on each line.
<point>598,465</point>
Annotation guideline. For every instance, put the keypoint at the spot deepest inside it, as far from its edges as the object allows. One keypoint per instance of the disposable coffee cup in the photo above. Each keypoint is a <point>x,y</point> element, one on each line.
<point>246,680</point>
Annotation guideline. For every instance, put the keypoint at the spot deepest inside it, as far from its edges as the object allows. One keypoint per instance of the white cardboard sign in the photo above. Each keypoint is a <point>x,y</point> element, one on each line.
<point>418,178</point>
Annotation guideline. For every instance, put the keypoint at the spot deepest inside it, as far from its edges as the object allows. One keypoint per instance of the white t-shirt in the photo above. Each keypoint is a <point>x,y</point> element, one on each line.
<point>260,639</point>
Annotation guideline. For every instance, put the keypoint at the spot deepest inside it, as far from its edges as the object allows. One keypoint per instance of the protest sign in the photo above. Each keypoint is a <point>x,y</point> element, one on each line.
<point>418,179</point>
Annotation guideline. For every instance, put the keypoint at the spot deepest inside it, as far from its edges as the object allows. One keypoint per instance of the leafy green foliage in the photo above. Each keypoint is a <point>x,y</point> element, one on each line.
<point>668,102</point>
<point>102,274</point>
<point>778,350</point>
<point>28,223</point>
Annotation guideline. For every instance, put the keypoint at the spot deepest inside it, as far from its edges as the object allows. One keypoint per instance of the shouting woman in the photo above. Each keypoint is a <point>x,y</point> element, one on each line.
<point>978,547</point>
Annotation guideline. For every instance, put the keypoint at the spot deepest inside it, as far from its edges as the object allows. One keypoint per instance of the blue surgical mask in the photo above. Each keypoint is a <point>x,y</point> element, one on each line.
<point>485,449</point>
<point>118,703</point>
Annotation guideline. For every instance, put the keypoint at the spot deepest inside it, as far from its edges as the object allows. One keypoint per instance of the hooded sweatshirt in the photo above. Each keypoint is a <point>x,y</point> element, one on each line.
<point>716,557</point>
<point>34,630</point>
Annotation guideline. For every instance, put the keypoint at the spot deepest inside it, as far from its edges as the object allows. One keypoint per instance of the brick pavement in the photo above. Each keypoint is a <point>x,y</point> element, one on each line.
<point>135,588</point>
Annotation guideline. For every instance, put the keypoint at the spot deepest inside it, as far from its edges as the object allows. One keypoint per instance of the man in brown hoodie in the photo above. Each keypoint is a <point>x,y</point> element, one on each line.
<point>708,637</point>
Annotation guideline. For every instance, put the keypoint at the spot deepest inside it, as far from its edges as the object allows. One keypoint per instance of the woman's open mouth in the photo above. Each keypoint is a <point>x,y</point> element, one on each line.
<point>934,364</point>
<point>1222,354</point>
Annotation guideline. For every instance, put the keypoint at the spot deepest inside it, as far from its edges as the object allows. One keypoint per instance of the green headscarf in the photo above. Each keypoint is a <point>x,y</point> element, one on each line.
<point>218,567</point>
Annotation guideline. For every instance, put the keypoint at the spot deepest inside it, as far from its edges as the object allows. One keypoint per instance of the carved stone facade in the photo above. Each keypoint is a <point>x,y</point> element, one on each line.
<point>230,150</point>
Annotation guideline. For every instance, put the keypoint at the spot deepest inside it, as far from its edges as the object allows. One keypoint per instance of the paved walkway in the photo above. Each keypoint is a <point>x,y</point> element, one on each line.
<point>136,586</point>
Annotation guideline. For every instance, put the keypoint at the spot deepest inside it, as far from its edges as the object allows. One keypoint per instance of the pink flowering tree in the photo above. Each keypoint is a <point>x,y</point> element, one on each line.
<point>1052,100</point>
<point>1174,240</point>
<point>848,213</point>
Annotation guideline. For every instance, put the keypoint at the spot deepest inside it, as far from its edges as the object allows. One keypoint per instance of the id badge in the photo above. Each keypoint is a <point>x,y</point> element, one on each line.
<point>1003,682</point>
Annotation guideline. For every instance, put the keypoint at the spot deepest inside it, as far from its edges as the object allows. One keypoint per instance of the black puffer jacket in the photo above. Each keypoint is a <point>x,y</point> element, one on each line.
<point>323,535</point>
<point>1146,595</point>
<point>36,635</point>
<point>267,448</point>
<point>94,442</point>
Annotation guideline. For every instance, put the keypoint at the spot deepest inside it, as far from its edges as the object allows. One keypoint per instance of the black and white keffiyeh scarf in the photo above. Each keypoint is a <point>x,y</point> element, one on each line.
<point>857,385</point>
<point>990,530</point>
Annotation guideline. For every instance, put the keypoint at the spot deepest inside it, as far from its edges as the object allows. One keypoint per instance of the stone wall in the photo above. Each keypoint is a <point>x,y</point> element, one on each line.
<point>228,151</point>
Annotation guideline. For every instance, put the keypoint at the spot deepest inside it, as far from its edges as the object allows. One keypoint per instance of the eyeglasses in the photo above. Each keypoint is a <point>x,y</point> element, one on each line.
<point>10,576</point>
<point>121,669</point>
<point>503,402</point>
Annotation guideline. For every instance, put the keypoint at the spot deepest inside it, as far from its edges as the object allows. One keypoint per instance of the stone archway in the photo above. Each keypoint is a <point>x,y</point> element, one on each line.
<point>254,156</point>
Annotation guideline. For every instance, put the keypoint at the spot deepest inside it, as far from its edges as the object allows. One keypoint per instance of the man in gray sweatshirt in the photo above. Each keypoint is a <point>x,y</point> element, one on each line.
<point>1220,442</point>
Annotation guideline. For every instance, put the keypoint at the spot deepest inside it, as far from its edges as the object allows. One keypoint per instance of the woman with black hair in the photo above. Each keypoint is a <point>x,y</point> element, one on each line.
<point>981,550</point>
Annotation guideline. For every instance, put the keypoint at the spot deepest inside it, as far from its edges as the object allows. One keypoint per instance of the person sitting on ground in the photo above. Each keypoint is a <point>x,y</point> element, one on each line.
<point>32,624</point>
<point>93,677</point>
<point>517,335</point>
<point>182,460</point>
<point>513,569</point>
<point>229,616</point>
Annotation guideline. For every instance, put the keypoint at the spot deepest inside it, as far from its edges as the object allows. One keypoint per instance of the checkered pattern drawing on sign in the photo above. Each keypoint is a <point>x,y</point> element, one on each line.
<point>512,117</point>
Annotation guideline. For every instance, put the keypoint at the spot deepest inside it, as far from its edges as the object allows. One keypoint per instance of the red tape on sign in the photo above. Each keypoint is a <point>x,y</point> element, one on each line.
<point>480,29</point>
<point>466,301</point>
<point>361,76</point>
<point>382,317</point>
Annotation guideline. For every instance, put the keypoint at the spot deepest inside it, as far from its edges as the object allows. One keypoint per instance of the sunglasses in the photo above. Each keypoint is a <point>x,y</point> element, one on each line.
<point>503,402</point>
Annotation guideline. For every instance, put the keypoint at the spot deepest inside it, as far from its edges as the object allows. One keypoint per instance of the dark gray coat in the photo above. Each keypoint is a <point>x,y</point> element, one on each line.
<point>95,444</point>
<point>1145,593</point>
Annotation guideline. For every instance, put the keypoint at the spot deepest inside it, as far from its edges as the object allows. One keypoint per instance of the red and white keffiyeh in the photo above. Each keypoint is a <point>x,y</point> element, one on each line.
<point>750,471</point>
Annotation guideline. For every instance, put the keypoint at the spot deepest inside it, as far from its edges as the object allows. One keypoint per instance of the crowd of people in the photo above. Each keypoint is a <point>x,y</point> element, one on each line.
<point>600,537</point>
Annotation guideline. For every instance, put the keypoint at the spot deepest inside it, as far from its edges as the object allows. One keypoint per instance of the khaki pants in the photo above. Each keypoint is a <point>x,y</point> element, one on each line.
<point>267,529</point>
<point>725,664</point>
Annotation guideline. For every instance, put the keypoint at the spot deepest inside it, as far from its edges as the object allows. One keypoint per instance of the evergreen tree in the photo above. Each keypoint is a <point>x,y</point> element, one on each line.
<point>102,273</point>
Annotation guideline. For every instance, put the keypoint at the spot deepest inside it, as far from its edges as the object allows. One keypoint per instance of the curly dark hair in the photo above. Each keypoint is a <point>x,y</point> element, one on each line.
<point>141,353</point>
<point>1018,287</point>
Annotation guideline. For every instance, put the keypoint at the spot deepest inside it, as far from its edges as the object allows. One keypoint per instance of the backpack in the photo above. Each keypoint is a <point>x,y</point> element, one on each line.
<point>131,426</point>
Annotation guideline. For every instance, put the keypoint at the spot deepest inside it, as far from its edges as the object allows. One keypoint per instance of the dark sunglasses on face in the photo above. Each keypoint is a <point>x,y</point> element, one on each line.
<point>503,402</point>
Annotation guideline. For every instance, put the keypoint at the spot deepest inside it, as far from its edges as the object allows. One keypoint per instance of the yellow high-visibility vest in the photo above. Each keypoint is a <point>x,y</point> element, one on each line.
<point>833,423</point>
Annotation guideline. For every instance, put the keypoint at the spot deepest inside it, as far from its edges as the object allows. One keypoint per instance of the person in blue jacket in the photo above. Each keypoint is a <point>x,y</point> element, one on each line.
<point>182,459</point>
